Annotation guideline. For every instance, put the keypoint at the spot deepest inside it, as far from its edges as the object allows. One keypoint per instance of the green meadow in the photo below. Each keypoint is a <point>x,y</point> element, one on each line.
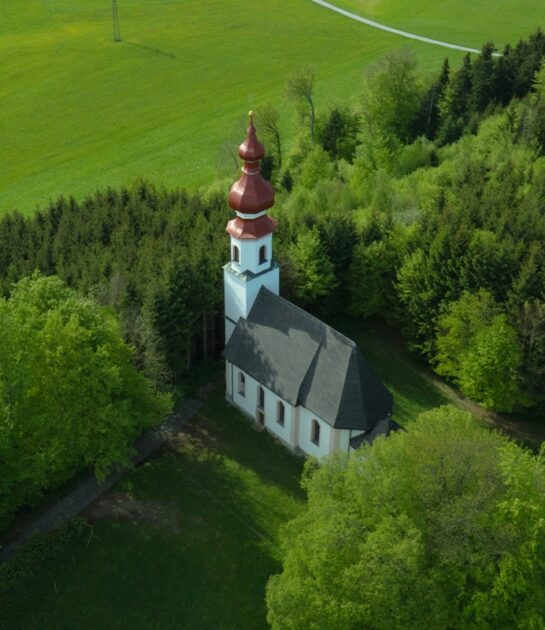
<point>193,547</point>
<point>190,538</point>
<point>79,112</point>
<point>456,21</point>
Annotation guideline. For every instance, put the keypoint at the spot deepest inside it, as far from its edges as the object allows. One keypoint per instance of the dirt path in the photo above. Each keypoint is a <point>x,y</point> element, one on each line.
<point>531,433</point>
<point>395,31</point>
<point>88,490</point>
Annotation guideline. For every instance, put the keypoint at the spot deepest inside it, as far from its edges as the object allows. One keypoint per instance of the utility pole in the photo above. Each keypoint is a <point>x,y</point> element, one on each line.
<point>115,16</point>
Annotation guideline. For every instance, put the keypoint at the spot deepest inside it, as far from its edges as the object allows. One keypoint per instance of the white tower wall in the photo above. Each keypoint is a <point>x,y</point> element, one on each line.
<point>241,289</point>
<point>249,250</point>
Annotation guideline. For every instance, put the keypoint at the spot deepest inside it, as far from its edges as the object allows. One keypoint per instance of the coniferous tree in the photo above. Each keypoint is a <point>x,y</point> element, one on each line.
<point>482,81</point>
<point>427,122</point>
<point>454,106</point>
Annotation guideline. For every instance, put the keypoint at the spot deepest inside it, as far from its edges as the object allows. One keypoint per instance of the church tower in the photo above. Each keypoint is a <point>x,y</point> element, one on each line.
<point>251,265</point>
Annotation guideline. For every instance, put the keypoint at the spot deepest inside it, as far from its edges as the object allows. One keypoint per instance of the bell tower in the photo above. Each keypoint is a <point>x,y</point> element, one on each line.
<point>251,265</point>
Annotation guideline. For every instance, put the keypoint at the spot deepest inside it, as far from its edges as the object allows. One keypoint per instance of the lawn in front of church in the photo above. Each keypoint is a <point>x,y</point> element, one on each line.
<point>199,538</point>
<point>195,548</point>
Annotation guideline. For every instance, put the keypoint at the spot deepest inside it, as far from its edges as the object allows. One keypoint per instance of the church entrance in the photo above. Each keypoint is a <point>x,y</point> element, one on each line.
<point>260,418</point>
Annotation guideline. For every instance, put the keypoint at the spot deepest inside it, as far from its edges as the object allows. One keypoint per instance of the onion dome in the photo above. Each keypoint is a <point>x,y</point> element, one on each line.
<point>251,229</point>
<point>251,150</point>
<point>251,194</point>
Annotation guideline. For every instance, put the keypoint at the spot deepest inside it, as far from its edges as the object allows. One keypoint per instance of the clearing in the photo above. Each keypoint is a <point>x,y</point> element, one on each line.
<point>189,539</point>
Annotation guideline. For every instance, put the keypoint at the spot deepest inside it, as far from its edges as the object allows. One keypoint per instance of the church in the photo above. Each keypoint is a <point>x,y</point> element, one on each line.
<point>293,375</point>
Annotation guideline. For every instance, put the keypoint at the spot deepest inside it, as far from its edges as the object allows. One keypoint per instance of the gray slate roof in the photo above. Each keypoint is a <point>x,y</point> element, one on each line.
<point>308,363</point>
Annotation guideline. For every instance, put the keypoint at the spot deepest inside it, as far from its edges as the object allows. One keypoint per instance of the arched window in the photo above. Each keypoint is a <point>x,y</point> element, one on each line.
<point>315,432</point>
<point>241,384</point>
<point>262,254</point>
<point>280,413</point>
<point>260,413</point>
<point>236,254</point>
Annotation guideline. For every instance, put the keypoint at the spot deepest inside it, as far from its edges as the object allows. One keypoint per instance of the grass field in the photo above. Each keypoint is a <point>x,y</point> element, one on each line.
<point>456,21</point>
<point>79,112</point>
<point>197,551</point>
<point>201,549</point>
<point>202,539</point>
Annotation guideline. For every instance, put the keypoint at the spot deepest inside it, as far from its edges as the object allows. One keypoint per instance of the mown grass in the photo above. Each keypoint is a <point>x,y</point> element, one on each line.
<point>79,112</point>
<point>462,22</point>
<point>230,489</point>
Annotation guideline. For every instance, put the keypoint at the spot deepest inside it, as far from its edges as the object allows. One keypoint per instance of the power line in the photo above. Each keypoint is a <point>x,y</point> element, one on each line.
<point>115,16</point>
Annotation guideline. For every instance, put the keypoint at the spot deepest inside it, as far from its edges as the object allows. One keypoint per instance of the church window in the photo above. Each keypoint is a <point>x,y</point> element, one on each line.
<point>315,432</point>
<point>241,384</point>
<point>262,254</point>
<point>280,413</point>
<point>236,254</point>
<point>261,398</point>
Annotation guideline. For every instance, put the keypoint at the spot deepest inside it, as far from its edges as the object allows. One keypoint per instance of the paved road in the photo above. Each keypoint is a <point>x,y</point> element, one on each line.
<point>395,31</point>
<point>88,490</point>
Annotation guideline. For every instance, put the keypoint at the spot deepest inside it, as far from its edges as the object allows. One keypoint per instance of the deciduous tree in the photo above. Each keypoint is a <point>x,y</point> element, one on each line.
<point>442,526</point>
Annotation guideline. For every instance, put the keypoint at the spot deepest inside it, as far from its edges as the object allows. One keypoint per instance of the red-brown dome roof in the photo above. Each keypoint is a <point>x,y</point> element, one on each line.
<point>251,228</point>
<point>251,149</point>
<point>251,193</point>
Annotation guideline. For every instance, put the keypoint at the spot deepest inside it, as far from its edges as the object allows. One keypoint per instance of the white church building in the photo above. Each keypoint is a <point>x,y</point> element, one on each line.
<point>293,375</point>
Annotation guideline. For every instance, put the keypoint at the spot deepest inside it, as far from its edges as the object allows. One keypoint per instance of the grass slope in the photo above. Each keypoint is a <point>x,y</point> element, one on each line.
<point>417,389</point>
<point>79,112</point>
<point>463,22</point>
<point>413,385</point>
<point>229,489</point>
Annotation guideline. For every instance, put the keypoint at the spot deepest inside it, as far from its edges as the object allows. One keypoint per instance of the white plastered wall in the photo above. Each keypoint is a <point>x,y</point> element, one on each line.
<point>240,293</point>
<point>327,437</point>
<point>248,404</point>
<point>296,432</point>
<point>249,253</point>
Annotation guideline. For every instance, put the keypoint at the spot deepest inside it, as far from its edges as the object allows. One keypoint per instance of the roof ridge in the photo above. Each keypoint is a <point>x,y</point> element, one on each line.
<point>264,289</point>
<point>311,366</point>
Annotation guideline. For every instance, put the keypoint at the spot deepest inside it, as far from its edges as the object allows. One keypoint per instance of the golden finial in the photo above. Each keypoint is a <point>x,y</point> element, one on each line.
<point>251,114</point>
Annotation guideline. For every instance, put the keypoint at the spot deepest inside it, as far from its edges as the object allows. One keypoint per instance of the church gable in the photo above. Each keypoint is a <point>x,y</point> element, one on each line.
<point>308,363</point>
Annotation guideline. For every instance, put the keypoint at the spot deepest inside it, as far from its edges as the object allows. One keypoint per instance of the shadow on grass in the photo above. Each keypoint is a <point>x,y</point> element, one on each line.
<point>234,436</point>
<point>231,490</point>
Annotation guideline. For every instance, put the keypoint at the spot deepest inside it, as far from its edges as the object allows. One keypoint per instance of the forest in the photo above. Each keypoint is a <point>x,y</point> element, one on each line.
<point>421,203</point>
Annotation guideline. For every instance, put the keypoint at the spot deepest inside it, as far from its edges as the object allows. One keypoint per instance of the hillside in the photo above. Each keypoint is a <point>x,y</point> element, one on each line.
<point>79,112</point>
<point>464,23</point>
